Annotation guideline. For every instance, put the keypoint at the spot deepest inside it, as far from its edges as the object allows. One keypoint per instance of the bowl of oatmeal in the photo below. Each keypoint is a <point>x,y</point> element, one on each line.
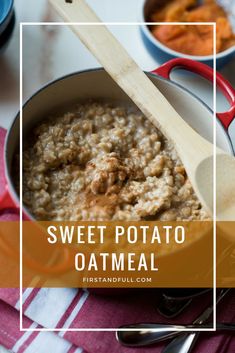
<point>89,154</point>
<point>167,41</point>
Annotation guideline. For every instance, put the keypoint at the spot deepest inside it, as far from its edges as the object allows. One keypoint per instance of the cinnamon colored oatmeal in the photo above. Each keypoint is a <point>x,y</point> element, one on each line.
<point>100,162</point>
<point>195,39</point>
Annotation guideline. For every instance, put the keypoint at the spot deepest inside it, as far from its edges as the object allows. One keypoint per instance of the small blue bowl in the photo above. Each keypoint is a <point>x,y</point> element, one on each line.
<point>163,53</point>
<point>6,11</point>
<point>7,22</point>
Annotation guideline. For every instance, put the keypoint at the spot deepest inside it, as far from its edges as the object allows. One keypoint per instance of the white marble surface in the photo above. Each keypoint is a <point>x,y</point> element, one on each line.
<point>51,52</point>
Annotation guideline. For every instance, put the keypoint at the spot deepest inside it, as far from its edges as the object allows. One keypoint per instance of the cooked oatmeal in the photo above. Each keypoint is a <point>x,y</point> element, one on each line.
<point>100,162</point>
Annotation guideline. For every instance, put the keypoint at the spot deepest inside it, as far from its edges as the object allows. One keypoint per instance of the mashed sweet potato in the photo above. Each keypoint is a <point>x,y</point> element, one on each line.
<point>195,39</point>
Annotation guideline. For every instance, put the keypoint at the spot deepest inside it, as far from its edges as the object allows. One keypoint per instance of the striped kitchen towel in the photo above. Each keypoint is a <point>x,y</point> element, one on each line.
<point>71,308</point>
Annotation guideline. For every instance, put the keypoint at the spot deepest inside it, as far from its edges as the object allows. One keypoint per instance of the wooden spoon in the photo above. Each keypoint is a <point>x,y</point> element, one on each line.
<point>195,152</point>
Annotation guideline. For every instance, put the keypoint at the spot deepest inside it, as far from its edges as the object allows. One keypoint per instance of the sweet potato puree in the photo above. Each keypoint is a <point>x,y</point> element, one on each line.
<point>195,39</point>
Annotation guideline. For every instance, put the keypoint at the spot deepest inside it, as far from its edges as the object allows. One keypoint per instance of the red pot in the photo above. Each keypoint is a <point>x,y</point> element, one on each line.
<point>97,84</point>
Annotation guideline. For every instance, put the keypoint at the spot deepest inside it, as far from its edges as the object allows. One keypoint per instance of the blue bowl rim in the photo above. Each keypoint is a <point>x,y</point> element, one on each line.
<point>228,52</point>
<point>7,33</point>
<point>9,10</point>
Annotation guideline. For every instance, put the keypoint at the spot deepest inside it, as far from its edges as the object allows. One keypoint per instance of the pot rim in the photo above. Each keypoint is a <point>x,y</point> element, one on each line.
<point>8,176</point>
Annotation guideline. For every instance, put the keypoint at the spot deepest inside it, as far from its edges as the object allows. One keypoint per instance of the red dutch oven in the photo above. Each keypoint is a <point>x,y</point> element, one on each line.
<point>98,85</point>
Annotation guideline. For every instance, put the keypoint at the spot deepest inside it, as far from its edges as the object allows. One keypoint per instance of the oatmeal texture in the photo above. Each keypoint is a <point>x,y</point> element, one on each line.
<point>100,162</point>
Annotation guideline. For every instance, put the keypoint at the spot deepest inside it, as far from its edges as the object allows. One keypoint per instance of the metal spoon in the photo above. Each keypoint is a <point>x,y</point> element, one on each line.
<point>185,342</point>
<point>141,337</point>
<point>159,332</point>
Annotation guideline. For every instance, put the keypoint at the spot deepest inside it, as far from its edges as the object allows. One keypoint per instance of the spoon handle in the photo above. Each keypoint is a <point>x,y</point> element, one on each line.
<point>226,326</point>
<point>134,82</point>
<point>149,333</point>
<point>182,344</point>
<point>158,327</point>
<point>186,342</point>
<point>140,338</point>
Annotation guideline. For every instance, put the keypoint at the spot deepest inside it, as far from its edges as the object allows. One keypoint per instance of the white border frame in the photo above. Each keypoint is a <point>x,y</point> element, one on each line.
<point>22,24</point>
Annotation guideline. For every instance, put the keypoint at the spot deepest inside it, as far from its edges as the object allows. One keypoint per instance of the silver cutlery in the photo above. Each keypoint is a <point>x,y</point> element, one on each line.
<point>160,332</point>
<point>185,342</point>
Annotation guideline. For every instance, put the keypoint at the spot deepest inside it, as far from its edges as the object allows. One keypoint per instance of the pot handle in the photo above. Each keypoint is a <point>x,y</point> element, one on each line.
<point>205,71</point>
<point>6,201</point>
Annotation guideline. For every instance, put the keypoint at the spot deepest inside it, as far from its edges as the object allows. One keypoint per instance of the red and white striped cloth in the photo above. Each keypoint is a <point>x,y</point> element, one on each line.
<point>74,308</point>
<point>66,308</point>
